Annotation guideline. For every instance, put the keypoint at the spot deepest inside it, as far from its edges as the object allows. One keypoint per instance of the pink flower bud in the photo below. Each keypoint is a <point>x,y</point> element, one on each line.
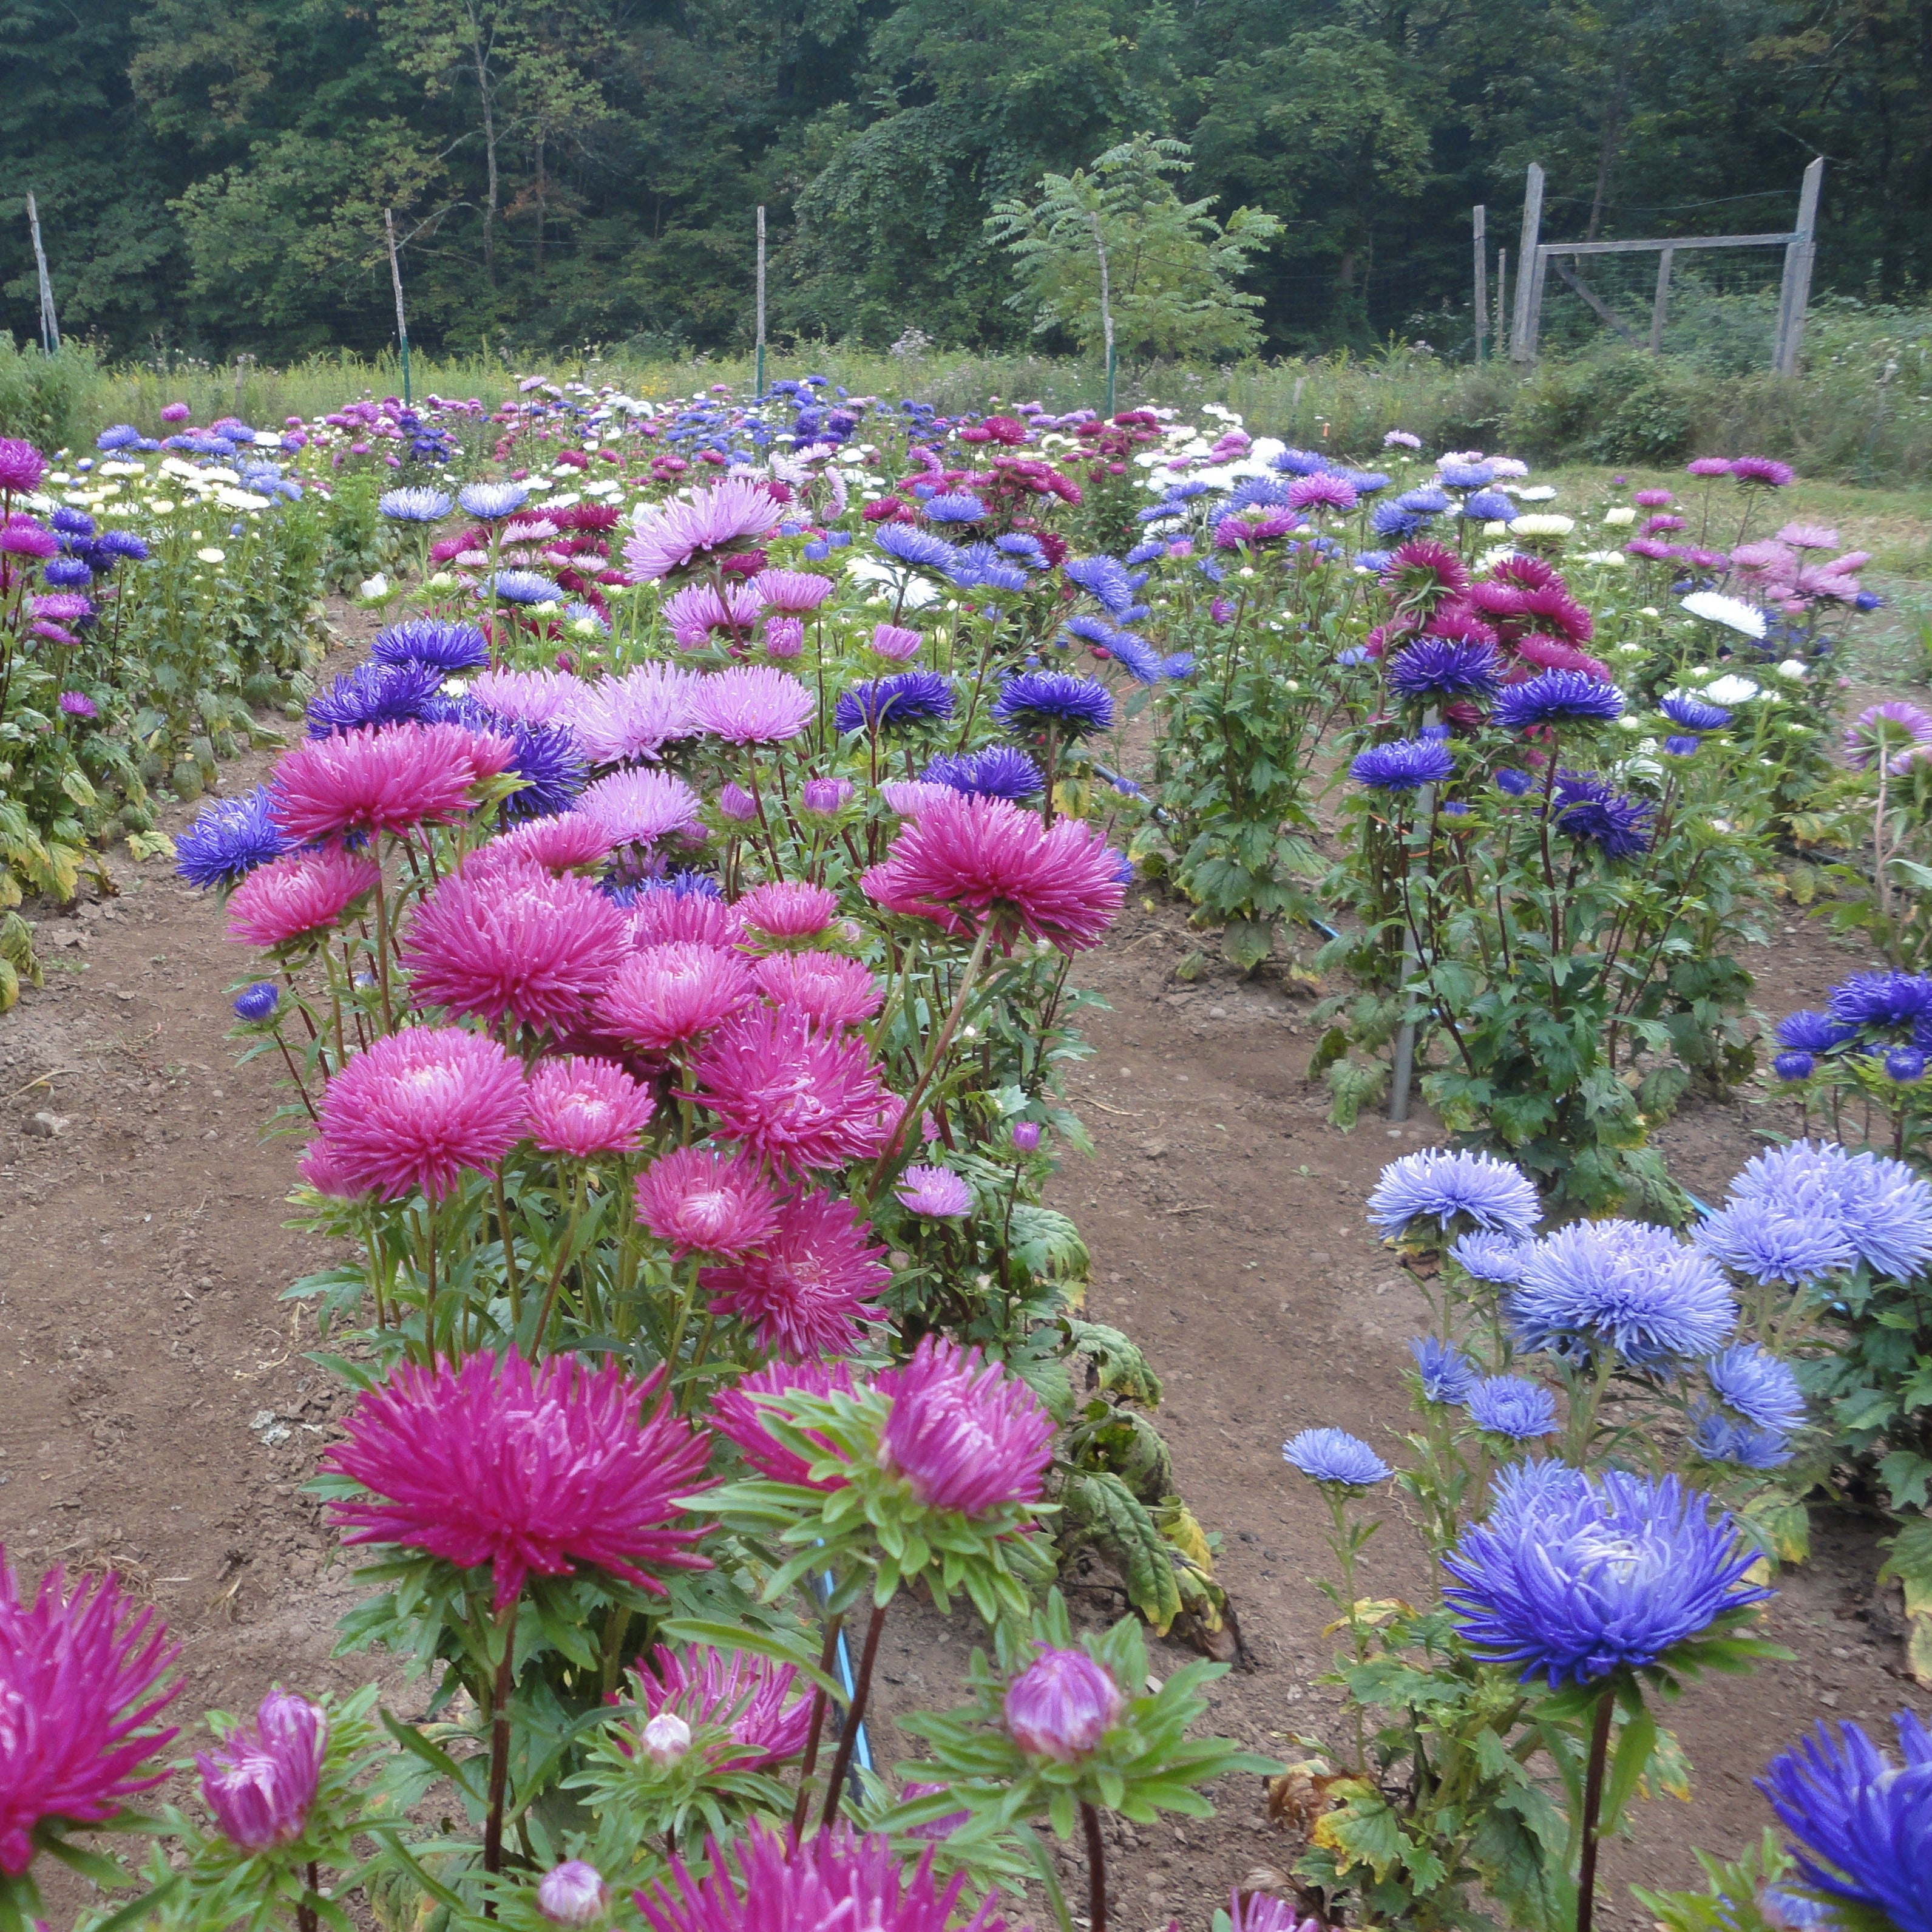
<point>824,798</point>
<point>896,642</point>
<point>784,637</point>
<point>735,802</point>
<point>573,1893</point>
<point>667,1738</point>
<point>1062,1704</point>
<point>176,412</point>
<point>1026,1135</point>
<point>260,1784</point>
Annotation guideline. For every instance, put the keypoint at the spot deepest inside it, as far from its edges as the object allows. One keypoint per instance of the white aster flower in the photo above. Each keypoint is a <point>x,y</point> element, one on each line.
<point>211,555</point>
<point>1732,613</point>
<point>1542,526</point>
<point>1731,689</point>
<point>1620,516</point>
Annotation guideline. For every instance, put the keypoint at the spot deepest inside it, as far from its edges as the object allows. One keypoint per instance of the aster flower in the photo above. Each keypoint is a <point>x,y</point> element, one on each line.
<point>1892,732</point>
<point>1492,1258</point>
<point>1405,764</point>
<point>491,502</point>
<point>1438,670</point>
<point>1793,1066</point>
<point>524,1469</point>
<point>933,1193</point>
<point>1808,1031</point>
<point>1887,1000</point>
<point>1105,580</point>
<point>573,1893</point>
<point>698,1200</point>
<point>1716,1437</point>
<point>1882,1207</point>
<point>413,1110</point>
<point>906,697</point>
<point>803,1099</point>
<point>1764,471</point>
<point>826,987</point>
<point>414,504</point>
<point>970,859</point>
<point>78,704</point>
<point>449,646</point>
<point>687,906</point>
<point>228,839</point>
<point>920,549</point>
<point>1321,492</point>
<point>670,536</point>
<point>389,780</point>
<point>523,586</point>
<point>787,909</point>
<point>663,995</point>
<point>1052,700</point>
<point>299,895</point>
<point>1447,1375</point>
<point>895,642</point>
<point>997,771</point>
<point>740,1416</point>
<point>811,1281</point>
<point>260,1784</point>
<point>584,1107</point>
<point>565,842</point>
<point>751,704</point>
<point>83,1683</point>
<point>530,696</point>
<point>374,693</point>
<point>1062,1704</point>
<point>794,591</point>
<point>257,1003</point>
<point>1793,1244</point>
<point>701,611</point>
<point>1444,1187</point>
<point>956,506</point>
<point>1863,1824</point>
<point>1622,1285</point>
<point>22,466</point>
<point>1420,574</point>
<point>1584,808</point>
<point>1558,697</point>
<point>1753,1383</point>
<point>634,716</point>
<point>641,807</point>
<point>1513,1406</point>
<point>825,798</point>
<point>1334,1456</point>
<point>1747,619</point>
<point>751,1697</point>
<point>964,1433</point>
<point>1572,1578</point>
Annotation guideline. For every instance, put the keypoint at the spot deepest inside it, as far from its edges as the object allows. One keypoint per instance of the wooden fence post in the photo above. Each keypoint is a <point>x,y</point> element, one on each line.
<point>759,386</point>
<point>1661,300</point>
<point>396,284</point>
<point>1482,251</point>
<point>1529,269</point>
<point>50,322</point>
<point>1502,302</point>
<point>1794,295</point>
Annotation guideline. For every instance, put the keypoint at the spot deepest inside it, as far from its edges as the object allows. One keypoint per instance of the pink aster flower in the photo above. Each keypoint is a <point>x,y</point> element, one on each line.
<point>573,1893</point>
<point>1895,730</point>
<point>22,466</point>
<point>515,944</point>
<point>565,842</point>
<point>414,1109</point>
<point>797,1096</point>
<point>750,1697</point>
<point>909,797</point>
<point>966,860</point>
<point>794,591</point>
<point>634,716</point>
<point>260,1784</point>
<point>1769,557</point>
<point>737,1415</point>
<point>81,1689</point>
<point>1708,465</point>
<point>752,704</point>
<point>1321,492</point>
<point>824,798</point>
<point>662,916</point>
<point>784,637</point>
<point>530,696</point>
<point>298,895</point>
<point>1062,1704</point>
<point>523,1469</point>
<point>667,537</point>
<point>1653,499</point>
<point>895,642</point>
<point>966,1435</point>
<point>1808,536</point>
<point>699,611</point>
<point>663,995</point>
<point>934,1193</point>
<point>809,1285</point>
<point>788,909</point>
<point>826,987</point>
<point>585,1108</point>
<point>1765,472</point>
<point>639,807</point>
<point>765,1881</point>
<point>388,780</point>
<point>699,1201</point>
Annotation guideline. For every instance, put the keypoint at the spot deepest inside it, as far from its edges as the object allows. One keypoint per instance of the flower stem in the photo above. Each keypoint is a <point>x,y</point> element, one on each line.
<point>1593,1799</point>
<point>1096,1868</point>
<point>855,1716</point>
<point>910,1116</point>
<point>827,1651</point>
<point>500,1741</point>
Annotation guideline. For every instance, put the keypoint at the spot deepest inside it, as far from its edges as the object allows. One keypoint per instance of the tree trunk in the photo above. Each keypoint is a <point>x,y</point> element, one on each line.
<point>1613,117</point>
<point>485,94</point>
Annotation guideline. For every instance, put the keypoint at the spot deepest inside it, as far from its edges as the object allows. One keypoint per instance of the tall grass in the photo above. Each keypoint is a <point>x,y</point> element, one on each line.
<point>1861,413</point>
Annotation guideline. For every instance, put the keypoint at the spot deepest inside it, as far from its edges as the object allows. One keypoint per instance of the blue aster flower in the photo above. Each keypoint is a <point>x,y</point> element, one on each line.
<point>1883,1209</point>
<point>1863,1824</point>
<point>1514,782</point>
<point>892,703</point>
<point>683,885</point>
<point>998,771</point>
<point>1440,670</point>
<point>1104,579</point>
<point>1090,630</point>
<point>1718,1438</point>
<point>1693,713</point>
<point>523,586</point>
<point>1393,523</point>
<point>1403,765</point>
<point>117,435</point>
<point>980,567</point>
<point>256,1003</point>
<point>1488,506</point>
<point>1500,1258</point>
<point>1684,747</point>
<point>414,504</point>
<point>1365,482</point>
<point>1023,545</point>
<point>1793,1066</point>
<point>551,764</point>
<point>1761,1387</point>
<point>1625,1285</point>
<point>1334,1456</point>
<point>1447,1375</point>
<point>1301,462</point>
<point>1136,657</point>
<point>124,544</point>
<point>1572,1578</point>
<point>1426,502</point>
<point>1890,1000</point>
<point>1905,1065</point>
<point>918,548</point>
<point>1044,699</point>
<point>1252,493</point>
<point>955,506</point>
<point>375,694</point>
<point>72,523</point>
<point>1148,552</point>
<point>1585,808</point>
<point>228,839</point>
<point>449,646</point>
<point>1448,1187</point>
<point>1180,664</point>
<point>1512,1405</point>
<point>1809,1031</point>
<point>489,502</point>
<point>1791,1242</point>
<point>1558,697</point>
<point>68,573</point>
<point>1464,475</point>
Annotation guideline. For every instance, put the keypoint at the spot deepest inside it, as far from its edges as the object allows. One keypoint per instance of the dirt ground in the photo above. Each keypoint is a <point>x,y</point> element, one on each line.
<point>157,1413</point>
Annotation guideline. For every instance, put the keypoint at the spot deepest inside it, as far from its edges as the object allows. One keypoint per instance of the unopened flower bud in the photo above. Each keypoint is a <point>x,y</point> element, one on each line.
<point>784,637</point>
<point>1062,1704</point>
<point>260,1784</point>
<point>736,803</point>
<point>667,1738</point>
<point>1026,1135</point>
<point>257,1002</point>
<point>573,1893</point>
<point>822,798</point>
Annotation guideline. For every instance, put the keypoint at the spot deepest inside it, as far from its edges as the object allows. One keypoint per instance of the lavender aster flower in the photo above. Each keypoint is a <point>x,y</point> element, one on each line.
<point>1043,700</point>
<point>1104,579</point>
<point>919,548</point>
<point>1438,670</point>
<point>934,1193</point>
<point>1572,1579</point>
<point>1403,765</point>
<point>229,840</point>
<point>1757,1385</point>
<point>1884,1209</point>
<point>1513,1406</point>
<point>1584,808</point>
<point>890,704</point>
<point>1791,1242</point>
<point>1622,1285</point>
<point>1495,1258</point>
<point>414,505</point>
<point>1558,697</point>
<point>1488,506</point>
<point>1693,713</point>
<point>1334,1456</point>
<point>1444,1187</point>
<point>488,503</point>
<point>523,586</point>
<point>1447,1375</point>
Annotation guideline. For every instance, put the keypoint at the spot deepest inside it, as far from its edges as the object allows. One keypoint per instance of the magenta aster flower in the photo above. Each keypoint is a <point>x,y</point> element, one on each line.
<point>801,1098</point>
<point>826,987</point>
<point>937,1193</point>
<point>491,1462</point>
<point>1321,492</point>
<point>1062,1704</point>
<point>634,716</point>
<point>22,466</point>
<point>1765,471</point>
<point>752,704</point>
<point>388,780</point>
<point>767,1883</point>
<point>966,1435</point>
<point>717,1204</point>
<point>986,858</point>
<point>260,1784</point>
<point>667,537</point>
<point>81,1690</point>
<point>795,592</point>
<point>750,1697</point>
<point>638,807</point>
<point>565,842</point>
<point>810,1285</point>
<point>664,994</point>
<point>784,637</point>
<point>739,1418</point>
<point>517,944</point>
<point>896,642</point>
<point>78,704</point>
<point>415,1109</point>
<point>660,917</point>
<point>788,909</point>
<point>298,895</point>
<point>700,611</point>
<point>585,1108</point>
<point>529,697</point>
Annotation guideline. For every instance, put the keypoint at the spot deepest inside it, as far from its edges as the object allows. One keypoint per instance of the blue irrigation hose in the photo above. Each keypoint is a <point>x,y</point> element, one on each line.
<point>842,1662</point>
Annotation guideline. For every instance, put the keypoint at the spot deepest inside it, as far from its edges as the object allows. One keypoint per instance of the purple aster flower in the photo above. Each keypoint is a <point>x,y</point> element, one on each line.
<point>259,1784</point>
<point>1513,1406</point>
<point>1764,471</point>
<point>1891,1000</point>
<point>1403,765</point>
<point>1044,699</point>
<point>1447,1375</point>
<point>449,645</point>
<point>1809,1031</point>
<point>1514,782</point>
<point>1693,713</point>
<point>825,798</point>
<point>934,1193</point>
<point>1492,1258</point>
<point>1793,1066</point>
<point>257,1002</point>
<point>1681,747</point>
<point>1558,697</point>
<point>1759,1386</point>
<point>1708,465</point>
<point>955,506</point>
<point>997,771</point>
<point>1718,1438</point>
<point>1334,1456</point>
<point>1446,1188</point>
<point>1585,809</point>
<point>906,697</point>
<point>1882,1208</point>
<point>1905,1065</point>
<point>1572,1578</point>
<point>1103,578</point>
<point>573,1893</point>
<point>375,694</point>
<point>1323,491</point>
<point>1625,1285</point>
<point>229,840</point>
<point>1439,670</point>
<point>78,704</point>
<point>1062,1704</point>
<point>1863,1824</point>
<point>1026,1136</point>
